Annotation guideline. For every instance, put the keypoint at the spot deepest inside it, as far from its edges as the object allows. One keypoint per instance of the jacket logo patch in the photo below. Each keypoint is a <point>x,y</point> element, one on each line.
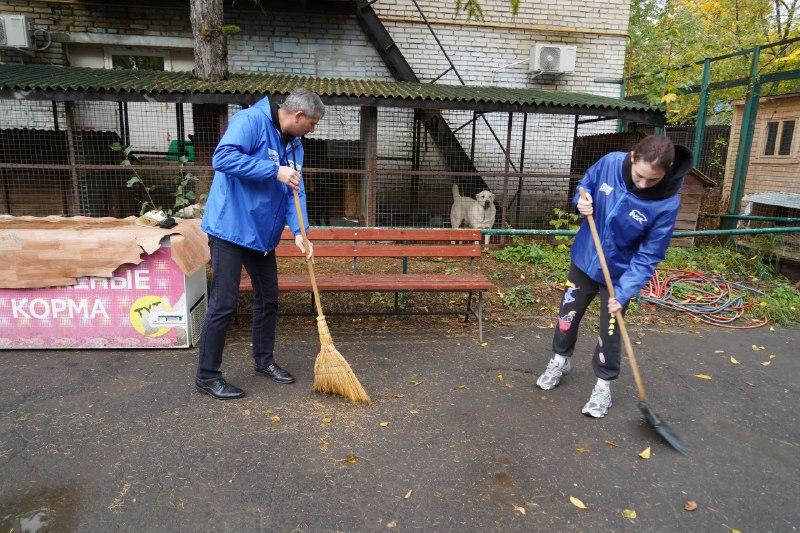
<point>606,188</point>
<point>273,155</point>
<point>637,216</point>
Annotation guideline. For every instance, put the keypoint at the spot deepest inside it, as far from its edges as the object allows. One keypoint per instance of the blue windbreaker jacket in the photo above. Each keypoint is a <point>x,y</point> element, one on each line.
<point>247,205</point>
<point>635,232</point>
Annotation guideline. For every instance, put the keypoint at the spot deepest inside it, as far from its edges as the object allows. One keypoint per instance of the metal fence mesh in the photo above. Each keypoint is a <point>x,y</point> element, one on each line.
<point>56,159</point>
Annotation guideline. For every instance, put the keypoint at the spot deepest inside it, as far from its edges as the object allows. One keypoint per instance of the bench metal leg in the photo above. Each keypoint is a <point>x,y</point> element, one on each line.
<point>479,315</point>
<point>469,307</point>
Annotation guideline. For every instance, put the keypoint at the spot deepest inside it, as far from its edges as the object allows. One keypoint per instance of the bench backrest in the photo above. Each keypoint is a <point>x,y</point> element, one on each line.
<point>380,242</point>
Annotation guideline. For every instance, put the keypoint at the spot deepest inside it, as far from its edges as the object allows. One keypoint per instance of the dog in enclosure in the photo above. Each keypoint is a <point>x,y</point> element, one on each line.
<point>476,213</point>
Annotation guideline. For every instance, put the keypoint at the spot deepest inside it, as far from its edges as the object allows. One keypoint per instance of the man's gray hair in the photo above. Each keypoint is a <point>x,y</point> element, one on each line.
<point>306,101</point>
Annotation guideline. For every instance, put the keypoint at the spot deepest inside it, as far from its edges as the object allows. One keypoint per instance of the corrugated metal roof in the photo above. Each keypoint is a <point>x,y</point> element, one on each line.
<point>781,199</point>
<point>55,79</point>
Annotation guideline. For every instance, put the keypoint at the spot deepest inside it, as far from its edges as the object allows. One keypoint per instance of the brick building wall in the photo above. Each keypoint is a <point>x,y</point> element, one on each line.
<point>767,173</point>
<point>321,44</point>
<point>333,45</point>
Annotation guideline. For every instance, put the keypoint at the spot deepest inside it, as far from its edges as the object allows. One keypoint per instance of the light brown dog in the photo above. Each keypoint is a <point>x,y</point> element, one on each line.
<point>477,213</point>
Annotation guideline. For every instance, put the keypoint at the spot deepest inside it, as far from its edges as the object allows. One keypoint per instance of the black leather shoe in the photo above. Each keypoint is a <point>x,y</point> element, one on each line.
<point>219,388</point>
<point>275,372</point>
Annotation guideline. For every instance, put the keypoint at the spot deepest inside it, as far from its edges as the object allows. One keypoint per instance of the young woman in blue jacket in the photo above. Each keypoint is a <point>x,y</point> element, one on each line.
<point>257,164</point>
<point>634,201</point>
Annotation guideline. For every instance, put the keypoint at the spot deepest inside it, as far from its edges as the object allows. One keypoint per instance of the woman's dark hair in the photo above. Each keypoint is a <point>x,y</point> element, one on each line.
<point>657,150</point>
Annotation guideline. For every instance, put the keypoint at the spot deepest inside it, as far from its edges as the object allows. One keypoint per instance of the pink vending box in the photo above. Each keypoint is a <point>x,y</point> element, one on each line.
<point>149,305</point>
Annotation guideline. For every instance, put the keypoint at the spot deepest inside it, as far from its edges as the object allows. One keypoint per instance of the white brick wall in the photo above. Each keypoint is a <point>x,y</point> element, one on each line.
<point>312,45</point>
<point>335,46</point>
<point>599,15</point>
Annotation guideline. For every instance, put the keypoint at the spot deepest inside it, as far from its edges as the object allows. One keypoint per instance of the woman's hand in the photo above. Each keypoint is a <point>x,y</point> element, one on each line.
<point>613,306</point>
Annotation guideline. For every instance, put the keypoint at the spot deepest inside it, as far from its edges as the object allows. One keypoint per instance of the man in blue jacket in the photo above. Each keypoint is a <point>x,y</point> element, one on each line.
<point>634,201</point>
<point>257,164</point>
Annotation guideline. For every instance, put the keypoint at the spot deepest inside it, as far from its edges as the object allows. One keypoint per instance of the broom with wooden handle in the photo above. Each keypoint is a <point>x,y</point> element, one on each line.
<point>332,373</point>
<point>655,421</point>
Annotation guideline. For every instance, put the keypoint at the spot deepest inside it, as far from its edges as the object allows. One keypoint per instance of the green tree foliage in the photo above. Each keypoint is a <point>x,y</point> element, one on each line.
<point>666,34</point>
<point>474,10</point>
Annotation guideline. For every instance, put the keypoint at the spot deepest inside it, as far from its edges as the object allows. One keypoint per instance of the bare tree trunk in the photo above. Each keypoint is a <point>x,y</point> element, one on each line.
<point>210,64</point>
<point>778,17</point>
<point>210,42</point>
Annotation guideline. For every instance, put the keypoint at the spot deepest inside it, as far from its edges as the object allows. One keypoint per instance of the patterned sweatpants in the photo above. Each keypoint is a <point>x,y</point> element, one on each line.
<point>576,299</point>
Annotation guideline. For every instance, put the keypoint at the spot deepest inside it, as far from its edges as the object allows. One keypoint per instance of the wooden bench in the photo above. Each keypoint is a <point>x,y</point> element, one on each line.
<point>402,244</point>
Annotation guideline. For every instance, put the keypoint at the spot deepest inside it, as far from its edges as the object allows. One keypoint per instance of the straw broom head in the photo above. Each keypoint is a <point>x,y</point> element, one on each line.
<point>332,373</point>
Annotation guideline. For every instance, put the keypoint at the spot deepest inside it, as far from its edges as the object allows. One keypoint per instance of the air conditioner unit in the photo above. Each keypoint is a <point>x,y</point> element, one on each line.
<point>552,58</point>
<point>13,31</point>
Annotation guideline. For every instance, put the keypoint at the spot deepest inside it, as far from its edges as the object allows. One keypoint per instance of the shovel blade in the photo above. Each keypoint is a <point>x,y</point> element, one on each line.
<point>662,428</point>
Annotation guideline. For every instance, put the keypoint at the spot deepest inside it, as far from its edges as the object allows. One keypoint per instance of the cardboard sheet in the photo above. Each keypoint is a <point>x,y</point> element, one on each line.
<point>54,251</point>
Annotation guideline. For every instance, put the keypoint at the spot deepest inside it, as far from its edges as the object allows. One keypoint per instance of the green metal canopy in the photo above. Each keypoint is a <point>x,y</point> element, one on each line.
<point>46,82</point>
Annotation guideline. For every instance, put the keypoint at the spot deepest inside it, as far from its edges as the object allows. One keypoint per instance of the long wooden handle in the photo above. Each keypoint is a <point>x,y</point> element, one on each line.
<point>307,247</point>
<point>611,294</point>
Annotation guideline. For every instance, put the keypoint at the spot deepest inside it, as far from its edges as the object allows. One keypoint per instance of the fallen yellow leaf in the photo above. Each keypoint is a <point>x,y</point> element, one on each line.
<point>274,419</point>
<point>765,363</point>
<point>703,376</point>
<point>500,377</point>
<point>719,351</point>
<point>645,453</point>
<point>460,387</point>
<point>614,444</point>
<point>581,450</point>
<point>408,494</point>
<point>772,356</point>
<point>384,424</point>
<point>415,382</point>
<point>324,442</point>
<point>734,361</point>
<point>520,510</point>
<point>484,344</point>
<point>630,514</point>
<point>351,458</point>
<point>327,420</point>
<point>689,505</point>
<point>757,348</point>
<point>414,412</point>
<point>577,503</point>
<point>734,530</point>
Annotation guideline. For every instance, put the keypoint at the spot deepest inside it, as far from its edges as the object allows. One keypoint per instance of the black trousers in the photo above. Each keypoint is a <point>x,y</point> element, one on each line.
<point>576,299</point>
<point>227,260</point>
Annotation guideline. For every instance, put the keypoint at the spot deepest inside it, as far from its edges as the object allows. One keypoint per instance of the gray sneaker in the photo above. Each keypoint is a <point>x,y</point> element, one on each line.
<point>553,374</point>
<point>598,403</point>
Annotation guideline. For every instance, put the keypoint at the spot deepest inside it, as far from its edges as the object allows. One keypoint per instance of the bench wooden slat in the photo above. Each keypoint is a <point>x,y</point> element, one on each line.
<point>387,234</point>
<point>382,250</point>
<point>381,282</point>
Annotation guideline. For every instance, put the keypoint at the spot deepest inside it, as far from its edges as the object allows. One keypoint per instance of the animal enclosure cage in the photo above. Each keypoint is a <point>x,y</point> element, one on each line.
<point>385,154</point>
